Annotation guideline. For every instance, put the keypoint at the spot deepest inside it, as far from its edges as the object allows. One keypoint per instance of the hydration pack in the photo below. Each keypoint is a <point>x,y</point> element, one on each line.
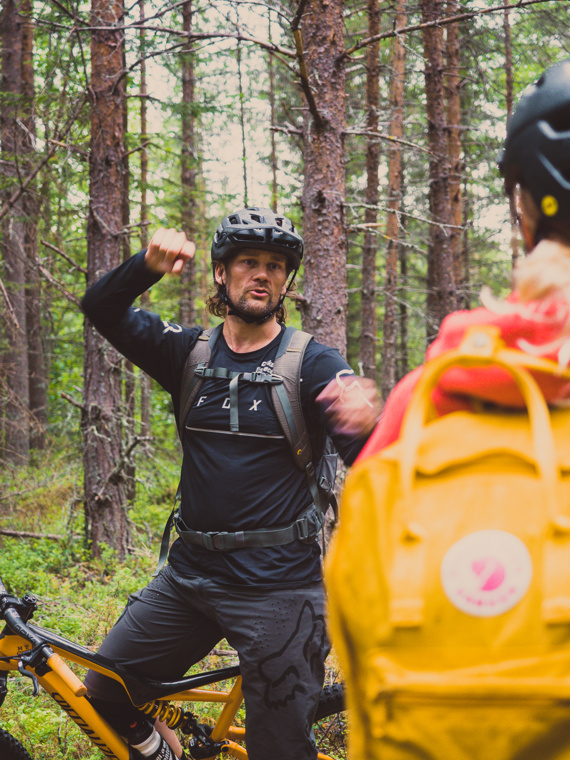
<point>448,577</point>
<point>285,382</point>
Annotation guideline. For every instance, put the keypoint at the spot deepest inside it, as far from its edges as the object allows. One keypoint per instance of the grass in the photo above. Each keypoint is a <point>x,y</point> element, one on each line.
<point>81,597</point>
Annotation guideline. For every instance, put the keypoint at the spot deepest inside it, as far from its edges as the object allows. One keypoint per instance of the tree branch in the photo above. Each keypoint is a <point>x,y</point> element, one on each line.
<point>72,401</point>
<point>121,463</point>
<point>28,534</point>
<point>441,22</point>
<point>64,255</point>
<point>305,84</point>
<point>7,207</point>
<point>62,289</point>
<point>389,138</point>
<point>9,307</point>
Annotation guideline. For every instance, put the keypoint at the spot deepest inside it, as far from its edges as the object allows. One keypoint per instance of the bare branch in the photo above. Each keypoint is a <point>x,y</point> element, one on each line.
<point>299,15</point>
<point>28,534</point>
<point>64,255</point>
<point>295,296</point>
<point>121,463</point>
<point>441,22</point>
<point>72,401</point>
<point>62,289</point>
<point>6,208</point>
<point>9,307</point>
<point>389,138</point>
<point>305,84</point>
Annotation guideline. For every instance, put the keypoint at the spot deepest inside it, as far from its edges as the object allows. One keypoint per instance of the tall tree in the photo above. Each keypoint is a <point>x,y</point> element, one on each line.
<point>38,381</point>
<point>273,156</point>
<point>320,47</point>
<point>189,168</point>
<point>368,318</point>
<point>392,314</point>
<point>441,286</point>
<point>144,379</point>
<point>452,88</point>
<point>15,377</point>
<point>509,103</point>
<point>105,497</point>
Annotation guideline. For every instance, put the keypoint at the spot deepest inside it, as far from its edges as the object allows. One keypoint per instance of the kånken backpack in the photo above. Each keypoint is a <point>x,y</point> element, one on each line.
<point>448,577</point>
<point>319,467</point>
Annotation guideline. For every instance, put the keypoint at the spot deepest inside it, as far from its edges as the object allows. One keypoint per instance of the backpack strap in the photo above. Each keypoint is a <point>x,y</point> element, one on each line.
<point>287,395</point>
<point>289,411</point>
<point>191,383</point>
<point>189,388</point>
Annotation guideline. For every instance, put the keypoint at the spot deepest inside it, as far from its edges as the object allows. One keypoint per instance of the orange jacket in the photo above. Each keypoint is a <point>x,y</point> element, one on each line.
<point>540,328</point>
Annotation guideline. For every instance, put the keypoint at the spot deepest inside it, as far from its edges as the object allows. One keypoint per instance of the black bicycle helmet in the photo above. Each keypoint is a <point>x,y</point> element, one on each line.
<point>257,227</point>
<point>536,152</point>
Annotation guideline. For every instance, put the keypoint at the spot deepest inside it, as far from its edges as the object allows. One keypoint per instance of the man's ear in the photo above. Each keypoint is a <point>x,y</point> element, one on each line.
<point>219,273</point>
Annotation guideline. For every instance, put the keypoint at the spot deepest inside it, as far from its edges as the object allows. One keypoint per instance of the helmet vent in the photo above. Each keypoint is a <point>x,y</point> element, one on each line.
<point>559,120</point>
<point>256,218</point>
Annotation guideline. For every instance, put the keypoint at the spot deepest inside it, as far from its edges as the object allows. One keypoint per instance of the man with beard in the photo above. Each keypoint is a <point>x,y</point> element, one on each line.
<point>242,568</point>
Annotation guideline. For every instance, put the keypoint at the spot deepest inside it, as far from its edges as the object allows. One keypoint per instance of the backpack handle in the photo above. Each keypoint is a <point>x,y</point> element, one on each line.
<point>482,346</point>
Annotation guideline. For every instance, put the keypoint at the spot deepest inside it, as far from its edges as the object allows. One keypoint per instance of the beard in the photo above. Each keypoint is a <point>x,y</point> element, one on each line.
<point>255,308</point>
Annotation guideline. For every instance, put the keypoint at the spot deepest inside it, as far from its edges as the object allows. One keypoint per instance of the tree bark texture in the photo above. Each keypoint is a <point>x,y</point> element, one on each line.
<point>324,283</point>
<point>509,97</point>
<point>144,379</point>
<point>189,170</point>
<point>452,87</point>
<point>15,379</point>
<point>38,380</point>
<point>105,498</point>
<point>368,319</point>
<point>392,314</point>
<point>441,297</point>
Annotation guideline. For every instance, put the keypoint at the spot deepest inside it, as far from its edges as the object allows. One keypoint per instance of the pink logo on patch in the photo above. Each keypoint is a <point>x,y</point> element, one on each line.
<point>486,573</point>
<point>490,571</point>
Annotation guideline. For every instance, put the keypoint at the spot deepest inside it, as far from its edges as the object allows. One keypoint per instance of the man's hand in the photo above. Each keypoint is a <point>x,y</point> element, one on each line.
<point>168,251</point>
<point>351,404</point>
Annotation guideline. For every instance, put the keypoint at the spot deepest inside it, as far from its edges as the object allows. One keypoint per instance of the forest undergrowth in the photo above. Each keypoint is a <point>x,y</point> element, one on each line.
<point>79,596</point>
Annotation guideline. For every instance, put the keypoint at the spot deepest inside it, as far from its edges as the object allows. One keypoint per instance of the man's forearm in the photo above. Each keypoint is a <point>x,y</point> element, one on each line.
<point>107,300</point>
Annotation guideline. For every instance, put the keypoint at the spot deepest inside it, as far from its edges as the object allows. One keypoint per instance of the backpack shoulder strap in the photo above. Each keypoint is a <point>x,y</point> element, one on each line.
<point>191,383</point>
<point>287,395</point>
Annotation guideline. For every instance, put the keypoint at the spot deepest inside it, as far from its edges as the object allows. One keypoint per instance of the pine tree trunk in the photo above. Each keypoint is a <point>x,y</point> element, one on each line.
<point>144,378</point>
<point>105,497</point>
<point>392,313</point>
<point>273,157</point>
<point>38,381</point>
<point>324,284</point>
<point>187,315</point>
<point>15,376</point>
<point>368,303</point>
<point>515,253</point>
<point>452,87</point>
<point>441,298</point>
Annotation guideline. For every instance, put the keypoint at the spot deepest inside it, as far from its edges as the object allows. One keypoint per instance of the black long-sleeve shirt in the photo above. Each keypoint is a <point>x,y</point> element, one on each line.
<point>230,481</point>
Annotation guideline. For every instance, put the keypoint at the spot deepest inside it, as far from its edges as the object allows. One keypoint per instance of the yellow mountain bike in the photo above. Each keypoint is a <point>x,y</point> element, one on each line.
<point>40,655</point>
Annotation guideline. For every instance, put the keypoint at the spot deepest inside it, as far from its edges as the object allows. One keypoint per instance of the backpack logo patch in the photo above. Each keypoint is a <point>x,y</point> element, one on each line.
<point>486,573</point>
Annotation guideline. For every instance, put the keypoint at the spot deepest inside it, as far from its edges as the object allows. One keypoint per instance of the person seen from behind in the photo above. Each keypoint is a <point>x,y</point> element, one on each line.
<point>535,318</point>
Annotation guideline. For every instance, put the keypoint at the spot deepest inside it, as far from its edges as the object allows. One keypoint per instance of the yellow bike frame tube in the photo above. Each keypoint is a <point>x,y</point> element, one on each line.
<point>61,684</point>
<point>229,712</point>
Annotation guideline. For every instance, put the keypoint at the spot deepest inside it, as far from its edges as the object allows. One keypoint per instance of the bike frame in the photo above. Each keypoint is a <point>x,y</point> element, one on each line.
<point>41,655</point>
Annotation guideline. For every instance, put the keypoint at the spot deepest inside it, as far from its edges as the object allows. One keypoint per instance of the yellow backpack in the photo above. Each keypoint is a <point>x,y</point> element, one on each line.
<point>449,578</point>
